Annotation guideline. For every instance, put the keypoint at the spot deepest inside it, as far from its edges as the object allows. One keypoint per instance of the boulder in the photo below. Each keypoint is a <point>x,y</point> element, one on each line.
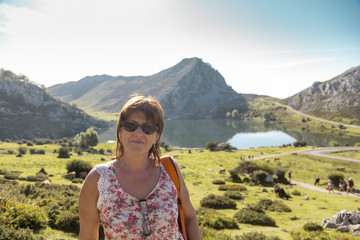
<point>344,221</point>
<point>355,229</point>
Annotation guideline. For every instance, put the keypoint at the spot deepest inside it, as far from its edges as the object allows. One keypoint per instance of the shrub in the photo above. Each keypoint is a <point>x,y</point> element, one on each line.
<point>77,180</point>
<point>217,202</point>
<point>322,235</point>
<point>249,216</point>
<point>68,221</point>
<point>78,166</point>
<point>280,173</point>
<point>101,151</point>
<point>232,187</point>
<point>259,176</point>
<point>247,167</point>
<point>211,146</point>
<point>299,144</point>
<point>218,182</point>
<point>296,193</point>
<point>276,205</point>
<point>7,233</point>
<point>233,195</point>
<point>64,152</point>
<point>34,151</point>
<point>334,144</point>
<point>213,219</point>
<point>311,226</point>
<point>3,171</point>
<point>357,144</point>
<point>256,236</point>
<point>11,176</point>
<point>335,178</point>
<point>22,150</point>
<point>29,189</point>
<point>22,215</point>
<point>211,234</point>
<point>234,177</point>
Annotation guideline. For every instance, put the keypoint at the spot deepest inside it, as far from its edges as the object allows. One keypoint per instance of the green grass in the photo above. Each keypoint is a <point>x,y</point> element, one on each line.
<point>201,168</point>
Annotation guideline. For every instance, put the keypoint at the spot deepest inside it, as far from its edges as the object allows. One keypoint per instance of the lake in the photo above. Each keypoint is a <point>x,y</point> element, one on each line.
<point>240,134</point>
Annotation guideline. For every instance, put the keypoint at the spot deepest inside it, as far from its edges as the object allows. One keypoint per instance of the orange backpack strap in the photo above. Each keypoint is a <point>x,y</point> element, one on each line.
<point>170,168</point>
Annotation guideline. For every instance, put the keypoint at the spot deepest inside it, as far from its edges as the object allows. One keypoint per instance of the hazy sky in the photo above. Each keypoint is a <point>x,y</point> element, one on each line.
<point>272,47</point>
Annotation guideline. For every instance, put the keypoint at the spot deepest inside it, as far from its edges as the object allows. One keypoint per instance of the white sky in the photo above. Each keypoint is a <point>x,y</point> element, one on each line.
<point>266,47</point>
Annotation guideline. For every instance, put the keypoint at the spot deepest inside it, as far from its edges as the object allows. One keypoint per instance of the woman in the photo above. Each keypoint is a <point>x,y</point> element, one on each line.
<point>133,196</point>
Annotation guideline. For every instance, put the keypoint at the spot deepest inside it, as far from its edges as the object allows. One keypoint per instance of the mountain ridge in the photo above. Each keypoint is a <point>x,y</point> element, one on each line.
<point>190,89</point>
<point>333,99</point>
<point>29,111</point>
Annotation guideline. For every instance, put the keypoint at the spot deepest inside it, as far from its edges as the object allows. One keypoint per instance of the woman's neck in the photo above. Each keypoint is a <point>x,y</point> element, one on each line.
<point>133,162</point>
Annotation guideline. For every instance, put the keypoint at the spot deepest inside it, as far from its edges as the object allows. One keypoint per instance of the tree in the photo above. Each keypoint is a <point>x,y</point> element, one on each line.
<point>235,113</point>
<point>247,167</point>
<point>87,139</point>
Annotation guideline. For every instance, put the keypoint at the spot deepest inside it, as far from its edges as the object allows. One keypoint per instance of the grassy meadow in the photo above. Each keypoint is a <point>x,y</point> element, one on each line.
<point>200,168</point>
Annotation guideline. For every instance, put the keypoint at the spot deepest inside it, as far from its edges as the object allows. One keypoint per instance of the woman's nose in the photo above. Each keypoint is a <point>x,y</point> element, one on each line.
<point>139,130</point>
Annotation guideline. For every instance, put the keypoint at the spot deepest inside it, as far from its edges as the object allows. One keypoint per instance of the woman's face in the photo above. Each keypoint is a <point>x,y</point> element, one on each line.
<point>137,141</point>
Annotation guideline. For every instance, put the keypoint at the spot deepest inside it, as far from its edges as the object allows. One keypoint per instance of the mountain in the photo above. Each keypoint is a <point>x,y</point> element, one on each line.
<point>29,111</point>
<point>191,89</point>
<point>335,99</point>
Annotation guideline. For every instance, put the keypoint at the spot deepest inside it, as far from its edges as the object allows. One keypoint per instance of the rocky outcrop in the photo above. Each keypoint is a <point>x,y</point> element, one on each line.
<point>344,221</point>
<point>29,111</point>
<point>191,89</point>
<point>341,92</point>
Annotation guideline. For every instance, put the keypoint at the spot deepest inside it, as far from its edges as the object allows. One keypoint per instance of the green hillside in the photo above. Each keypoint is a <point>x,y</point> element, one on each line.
<point>200,169</point>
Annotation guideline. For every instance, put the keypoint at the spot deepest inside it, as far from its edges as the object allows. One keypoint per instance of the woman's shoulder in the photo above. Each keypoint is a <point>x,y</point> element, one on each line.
<point>105,165</point>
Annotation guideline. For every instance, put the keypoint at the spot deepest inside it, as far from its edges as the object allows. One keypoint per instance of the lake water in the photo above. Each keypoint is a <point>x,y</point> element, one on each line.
<point>240,134</point>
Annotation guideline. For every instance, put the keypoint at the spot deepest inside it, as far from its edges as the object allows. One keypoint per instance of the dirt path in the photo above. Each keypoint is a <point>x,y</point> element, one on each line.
<point>321,153</point>
<point>323,189</point>
<point>320,119</point>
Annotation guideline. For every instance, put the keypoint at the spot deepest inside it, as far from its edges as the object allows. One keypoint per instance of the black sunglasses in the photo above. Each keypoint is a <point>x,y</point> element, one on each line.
<point>147,128</point>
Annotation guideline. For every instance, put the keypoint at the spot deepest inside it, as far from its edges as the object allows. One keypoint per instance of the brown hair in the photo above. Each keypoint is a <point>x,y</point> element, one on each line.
<point>154,113</point>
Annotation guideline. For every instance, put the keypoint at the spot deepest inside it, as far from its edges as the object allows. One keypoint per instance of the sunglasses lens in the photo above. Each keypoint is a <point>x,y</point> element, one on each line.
<point>130,126</point>
<point>146,128</point>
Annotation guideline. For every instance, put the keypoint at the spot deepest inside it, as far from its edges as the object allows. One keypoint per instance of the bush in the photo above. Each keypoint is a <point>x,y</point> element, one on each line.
<point>21,215</point>
<point>11,176</point>
<point>101,151</point>
<point>232,187</point>
<point>249,216</point>
<point>211,234</point>
<point>218,182</point>
<point>68,221</point>
<point>311,226</point>
<point>213,219</point>
<point>280,173</point>
<point>22,150</point>
<point>296,193</point>
<point>64,152</point>
<point>322,235</point>
<point>34,151</point>
<point>7,233</point>
<point>211,146</point>
<point>78,166</point>
<point>3,171</point>
<point>335,178</point>
<point>357,144</point>
<point>259,176</point>
<point>234,177</point>
<point>217,202</point>
<point>334,144</point>
<point>256,236</point>
<point>77,180</point>
<point>233,195</point>
<point>276,205</point>
<point>299,144</point>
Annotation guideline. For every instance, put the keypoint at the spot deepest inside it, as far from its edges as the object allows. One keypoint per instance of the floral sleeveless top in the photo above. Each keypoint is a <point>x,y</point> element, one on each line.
<point>120,212</point>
